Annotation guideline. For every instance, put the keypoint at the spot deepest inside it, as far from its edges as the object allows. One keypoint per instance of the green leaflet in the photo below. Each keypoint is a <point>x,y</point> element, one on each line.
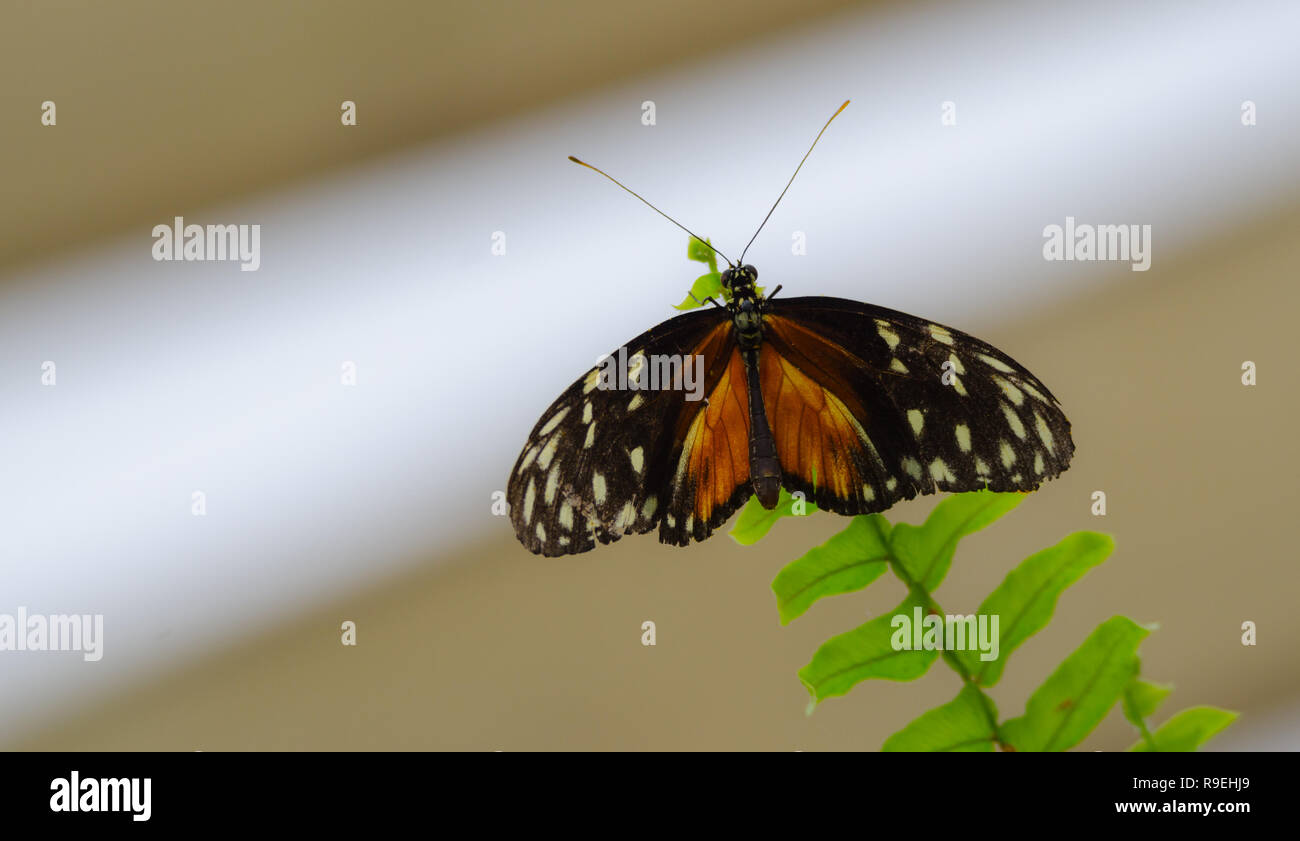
<point>961,725</point>
<point>1081,691</point>
<point>866,652</point>
<point>701,252</point>
<point>848,561</point>
<point>705,286</point>
<point>755,520</point>
<point>1142,698</point>
<point>1025,600</point>
<point>925,552</point>
<point>1188,730</point>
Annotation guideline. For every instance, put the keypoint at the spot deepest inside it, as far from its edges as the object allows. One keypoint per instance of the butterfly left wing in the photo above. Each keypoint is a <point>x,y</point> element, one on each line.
<point>603,462</point>
<point>870,406</point>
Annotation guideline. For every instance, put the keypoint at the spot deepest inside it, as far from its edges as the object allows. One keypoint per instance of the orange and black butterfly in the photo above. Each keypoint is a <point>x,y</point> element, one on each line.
<point>854,405</point>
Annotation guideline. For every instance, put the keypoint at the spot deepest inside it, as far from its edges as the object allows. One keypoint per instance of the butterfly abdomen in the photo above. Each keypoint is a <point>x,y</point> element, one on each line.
<point>764,466</point>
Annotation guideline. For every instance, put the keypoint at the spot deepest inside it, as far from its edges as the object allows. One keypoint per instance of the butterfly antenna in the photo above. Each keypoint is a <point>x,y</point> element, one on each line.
<point>791,181</point>
<point>655,209</point>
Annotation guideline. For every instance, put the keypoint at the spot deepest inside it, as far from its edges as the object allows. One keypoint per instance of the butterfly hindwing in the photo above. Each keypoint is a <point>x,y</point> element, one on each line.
<point>710,456</point>
<point>829,441</point>
<point>598,463</point>
<point>936,409</point>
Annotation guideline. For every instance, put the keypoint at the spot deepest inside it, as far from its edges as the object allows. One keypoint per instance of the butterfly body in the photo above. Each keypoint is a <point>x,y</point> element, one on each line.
<point>746,310</point>
<point>853,405</point>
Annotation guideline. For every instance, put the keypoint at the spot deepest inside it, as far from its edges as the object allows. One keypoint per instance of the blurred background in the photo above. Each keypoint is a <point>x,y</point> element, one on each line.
<point>444,250</point>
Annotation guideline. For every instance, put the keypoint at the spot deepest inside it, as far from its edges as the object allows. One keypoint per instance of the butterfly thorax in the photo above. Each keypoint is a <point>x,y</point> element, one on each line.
<point>745,305</point>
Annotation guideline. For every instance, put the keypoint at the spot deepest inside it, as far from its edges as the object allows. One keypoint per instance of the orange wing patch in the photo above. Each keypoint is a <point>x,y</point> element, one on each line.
<point>817,435</point>
<point>715,450</point>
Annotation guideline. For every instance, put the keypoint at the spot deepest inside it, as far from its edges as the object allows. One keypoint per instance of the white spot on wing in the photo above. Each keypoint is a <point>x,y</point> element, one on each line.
<point>1008,455</point>
<point>548,452</point>
<point>1033,392</point>
<point>552,482</point>
<point>913,467</point>
<point>591,437</point>
<point>939,471</point>
<point>940,334</point>
<point>1010,390</point>
<point>530,496</point>
<point>635,364</point>
<point>997,364</point>
<point>1044,433</point>
<point>963,437</point>
<point>635,403</point>
<point>638,459</point>
<point>917,420</point>
<point>890,337</point>
<point>598,487</point>
<point>554,421</point>
<point>1013,421</point>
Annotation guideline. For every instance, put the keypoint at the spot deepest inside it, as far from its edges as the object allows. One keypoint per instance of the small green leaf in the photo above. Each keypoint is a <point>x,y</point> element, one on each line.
<point>925,552</point>
<point>702,253</point>
<point>848,561</point>
<point>755,520</point>
<point>961,725</point>
<point>1188,730</point>
<point>1026,598</point>
<point>705,286</point>
<point>1142,698</point>
<point>866,652</point>
<point>1081,691</point>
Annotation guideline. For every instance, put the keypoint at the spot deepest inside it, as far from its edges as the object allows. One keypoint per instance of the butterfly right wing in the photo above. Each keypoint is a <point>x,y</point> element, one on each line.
<point>936,408</point>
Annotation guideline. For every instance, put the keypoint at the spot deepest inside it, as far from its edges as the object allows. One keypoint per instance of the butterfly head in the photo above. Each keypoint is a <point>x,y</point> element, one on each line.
<point>740,280</point>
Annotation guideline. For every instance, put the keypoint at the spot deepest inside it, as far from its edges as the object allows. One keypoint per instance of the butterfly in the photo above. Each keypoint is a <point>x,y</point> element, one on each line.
<point>853,405</point>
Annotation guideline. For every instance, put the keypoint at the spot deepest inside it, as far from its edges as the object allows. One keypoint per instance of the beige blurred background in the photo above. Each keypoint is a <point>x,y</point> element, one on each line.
<point>472,644</point>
